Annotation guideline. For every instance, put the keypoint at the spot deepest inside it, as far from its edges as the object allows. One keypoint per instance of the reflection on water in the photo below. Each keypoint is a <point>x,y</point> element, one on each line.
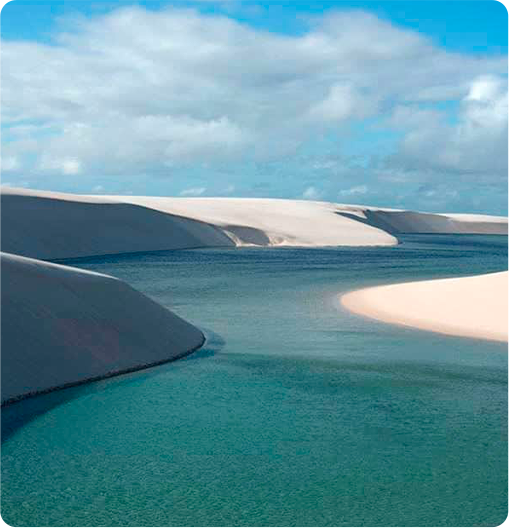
<point>295,413</point>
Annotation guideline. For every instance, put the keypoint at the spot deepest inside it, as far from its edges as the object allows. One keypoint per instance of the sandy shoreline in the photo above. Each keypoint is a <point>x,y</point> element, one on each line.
<point>473,307</point>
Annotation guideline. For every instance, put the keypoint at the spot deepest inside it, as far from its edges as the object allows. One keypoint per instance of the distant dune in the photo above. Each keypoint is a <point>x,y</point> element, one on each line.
<point>52,225</point>
<point>62,326</point>
<point>273,222</point>
<point>412,222</point>
<point>467,306</point>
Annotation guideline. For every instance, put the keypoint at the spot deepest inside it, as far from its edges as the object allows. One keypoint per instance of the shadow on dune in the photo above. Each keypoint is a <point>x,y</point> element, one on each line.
<point>411,222</point>
<point>18,414</point>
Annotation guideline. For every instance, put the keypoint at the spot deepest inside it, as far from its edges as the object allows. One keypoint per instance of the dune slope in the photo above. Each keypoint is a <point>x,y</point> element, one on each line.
<point>61,326</point>
<point>54,225</point>
<point>51,225</point>
<point>466,306</point>
<point>408,222</point>
<point>272,222</point>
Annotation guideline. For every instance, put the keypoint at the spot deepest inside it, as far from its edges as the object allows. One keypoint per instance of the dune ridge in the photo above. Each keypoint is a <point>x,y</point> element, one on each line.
<point>49,225</point>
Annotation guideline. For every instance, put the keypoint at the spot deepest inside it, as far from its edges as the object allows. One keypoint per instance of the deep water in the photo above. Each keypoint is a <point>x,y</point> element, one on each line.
<point>294,413</point>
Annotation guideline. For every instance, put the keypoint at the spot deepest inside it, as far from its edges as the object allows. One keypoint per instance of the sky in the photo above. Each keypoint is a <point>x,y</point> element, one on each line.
<point>390,103</point>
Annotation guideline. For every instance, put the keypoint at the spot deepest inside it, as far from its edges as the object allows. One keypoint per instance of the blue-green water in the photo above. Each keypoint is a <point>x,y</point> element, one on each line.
<point>294,413</point>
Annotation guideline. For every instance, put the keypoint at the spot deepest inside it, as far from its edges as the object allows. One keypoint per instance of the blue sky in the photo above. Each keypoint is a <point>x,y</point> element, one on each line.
<point>470,26</point>
<point>389,103</point>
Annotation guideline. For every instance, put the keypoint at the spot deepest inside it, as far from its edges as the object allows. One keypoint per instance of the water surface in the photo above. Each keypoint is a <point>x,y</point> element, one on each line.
<point>294,413</point>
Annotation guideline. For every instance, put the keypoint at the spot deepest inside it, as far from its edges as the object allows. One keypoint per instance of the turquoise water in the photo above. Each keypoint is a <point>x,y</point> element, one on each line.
<point>294,413</point>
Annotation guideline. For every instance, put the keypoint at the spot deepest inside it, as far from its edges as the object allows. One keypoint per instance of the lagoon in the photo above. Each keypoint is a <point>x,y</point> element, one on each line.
<point>294,413</point>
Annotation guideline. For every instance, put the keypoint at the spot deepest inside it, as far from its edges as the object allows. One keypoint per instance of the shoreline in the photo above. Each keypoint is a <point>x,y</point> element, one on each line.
<point>474,306</point>
<point>111,374</point>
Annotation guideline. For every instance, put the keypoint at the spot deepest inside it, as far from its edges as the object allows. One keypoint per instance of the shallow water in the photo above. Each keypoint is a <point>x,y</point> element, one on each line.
<point>294,413</point>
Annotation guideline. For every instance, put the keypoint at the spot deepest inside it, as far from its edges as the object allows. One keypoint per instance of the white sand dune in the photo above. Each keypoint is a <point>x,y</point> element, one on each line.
<point>51,225</point>
<point>62,326</point>
<point>272,222</point>
<point>467,306</point>
<point>413,222</point>
<point>306,223</point>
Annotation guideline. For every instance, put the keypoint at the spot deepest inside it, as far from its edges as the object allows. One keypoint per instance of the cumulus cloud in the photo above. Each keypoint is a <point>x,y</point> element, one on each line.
<point>473,145</point>
<point>141,92</point>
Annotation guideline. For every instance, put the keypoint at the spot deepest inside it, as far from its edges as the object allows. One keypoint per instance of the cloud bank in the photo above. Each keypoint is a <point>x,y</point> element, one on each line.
<point>139,92</point>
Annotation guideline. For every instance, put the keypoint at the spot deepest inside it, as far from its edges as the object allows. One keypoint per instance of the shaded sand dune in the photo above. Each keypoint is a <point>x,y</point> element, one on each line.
<point>62,326</point>
<point>467,306</point>
<point>54,225</point>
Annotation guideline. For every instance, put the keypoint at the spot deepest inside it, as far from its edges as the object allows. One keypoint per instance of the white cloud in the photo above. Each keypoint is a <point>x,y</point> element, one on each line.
<point>98,189</point>
<point>343,102</point>
<point>474,145</point>
<point>138,92</point>
<point>193,191</point>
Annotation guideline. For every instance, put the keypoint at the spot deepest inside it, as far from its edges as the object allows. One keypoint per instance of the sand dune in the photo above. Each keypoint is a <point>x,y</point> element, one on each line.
<point>408,222</point>
<point>54,225</point>
<point>61,325</point>
<point>51,225</point>
<point>305,223</point>
<point>273,222</point>
<point>467,306</point>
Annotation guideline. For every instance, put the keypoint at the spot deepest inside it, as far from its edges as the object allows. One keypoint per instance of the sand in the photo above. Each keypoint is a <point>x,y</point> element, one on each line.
<point>62,326</point>
<point>414,222</point>
<point>50,225</point>
<point>54,225</point>
<point>468,306</point>
<point>273,222</point>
